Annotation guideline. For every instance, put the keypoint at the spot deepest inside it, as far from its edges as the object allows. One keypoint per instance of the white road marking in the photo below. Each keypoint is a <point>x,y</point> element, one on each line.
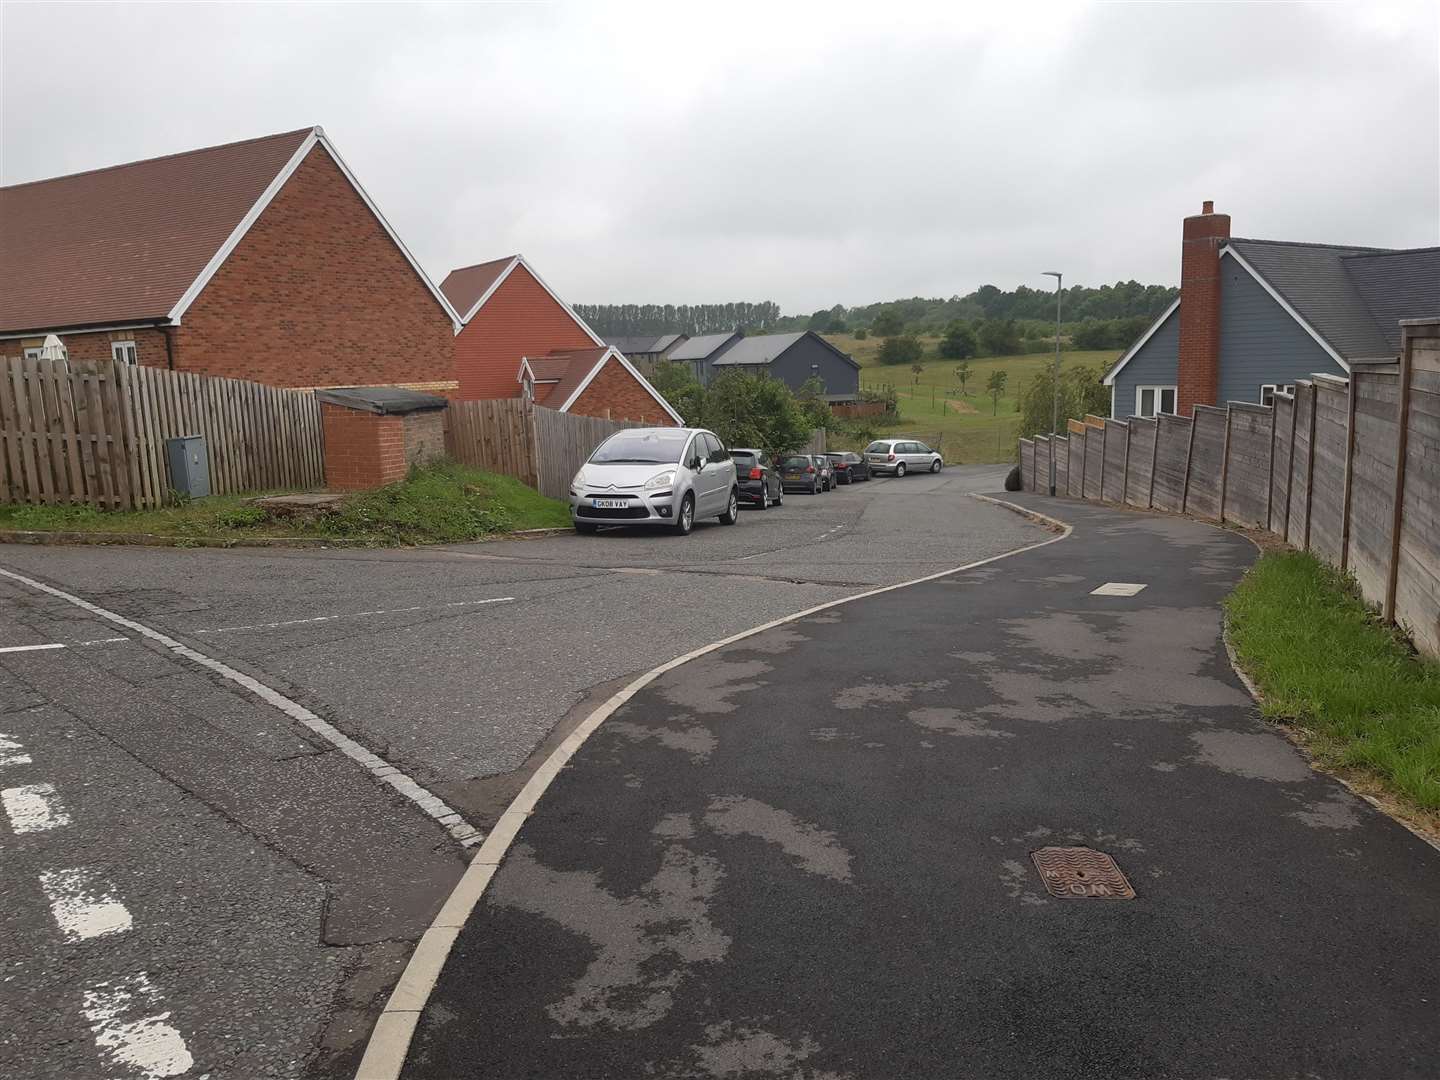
<point>1117,588</point>
<point>31,648</point>
<point>33,808</point>
<point>377,766</point>
<point>147,1047</point>
<point>102,641</point>
<point>84,905</point>
<point>357,614</point>
<point>11,752</point>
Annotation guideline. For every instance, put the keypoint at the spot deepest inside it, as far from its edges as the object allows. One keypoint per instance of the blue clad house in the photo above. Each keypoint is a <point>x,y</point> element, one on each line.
<point>1266,314</point>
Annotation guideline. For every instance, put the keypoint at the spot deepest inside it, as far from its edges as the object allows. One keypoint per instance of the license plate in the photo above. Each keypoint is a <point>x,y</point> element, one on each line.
<point>609,504</point>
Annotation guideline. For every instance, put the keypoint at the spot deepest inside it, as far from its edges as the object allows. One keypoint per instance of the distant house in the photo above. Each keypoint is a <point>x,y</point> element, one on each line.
<point>1255,316</point>
<point>518,337</point>
<point>795,359</point>
<point>263,259</point>
<point>699,353</point>
<point>647,350</point>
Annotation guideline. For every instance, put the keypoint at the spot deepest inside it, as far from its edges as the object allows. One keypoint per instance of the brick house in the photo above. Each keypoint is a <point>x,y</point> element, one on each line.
<point>263,259</point>
<point>519,338</point>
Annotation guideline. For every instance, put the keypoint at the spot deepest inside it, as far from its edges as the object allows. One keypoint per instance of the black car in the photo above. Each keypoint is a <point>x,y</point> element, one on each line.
<point>759,481</point>
<point>849,467</point>
<point>800,473</point>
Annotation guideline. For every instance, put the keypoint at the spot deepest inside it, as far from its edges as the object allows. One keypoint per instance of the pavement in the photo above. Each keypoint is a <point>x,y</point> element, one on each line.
<point>809,855</point>
<point>193,877</point>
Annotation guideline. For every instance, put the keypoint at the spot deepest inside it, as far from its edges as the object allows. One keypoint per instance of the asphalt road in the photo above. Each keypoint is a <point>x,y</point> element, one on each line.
<point>207,881</point>
<point>771,864</point>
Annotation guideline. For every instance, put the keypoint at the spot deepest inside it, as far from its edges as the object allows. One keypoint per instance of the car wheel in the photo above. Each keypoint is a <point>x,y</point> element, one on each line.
<point>780,497</point>
<point>731,515</point>
<point>585,528</point>
<point>764,497</point>
<point>900,469</point>
<point>935,465</point>
<point>814,487</point>
<point>686,521</point>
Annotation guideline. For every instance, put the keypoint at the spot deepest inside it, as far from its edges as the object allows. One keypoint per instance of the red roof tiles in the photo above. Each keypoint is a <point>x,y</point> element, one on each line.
<point>464,287</point>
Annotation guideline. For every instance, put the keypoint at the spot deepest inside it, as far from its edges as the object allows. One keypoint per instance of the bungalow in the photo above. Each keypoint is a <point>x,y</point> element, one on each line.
<point>1256,316</point>
<point>647,350</point>
<point>263,259</point>
<point>517,337</point>
<point>795,359</point>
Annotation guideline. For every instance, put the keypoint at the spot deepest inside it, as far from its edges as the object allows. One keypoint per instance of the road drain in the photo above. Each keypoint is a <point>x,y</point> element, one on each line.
<point>1080,873</point>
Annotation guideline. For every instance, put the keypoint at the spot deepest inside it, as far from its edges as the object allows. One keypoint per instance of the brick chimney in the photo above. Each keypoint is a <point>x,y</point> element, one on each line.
<point>1199,377</point>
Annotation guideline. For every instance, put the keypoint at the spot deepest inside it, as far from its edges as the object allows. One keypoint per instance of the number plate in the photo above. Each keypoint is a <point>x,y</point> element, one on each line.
<point>609,504</point>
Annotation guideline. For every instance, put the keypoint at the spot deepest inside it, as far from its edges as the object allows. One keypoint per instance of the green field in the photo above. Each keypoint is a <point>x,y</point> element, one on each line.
<point>966,426</point>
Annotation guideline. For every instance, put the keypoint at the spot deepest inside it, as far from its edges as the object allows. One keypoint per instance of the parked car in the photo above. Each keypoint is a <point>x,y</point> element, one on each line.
<point>798,473</point>
<point>849,467</point>
<point>826,469</point>
<point>758,479</point>
<point>900,456</point>
<point>655,476</point>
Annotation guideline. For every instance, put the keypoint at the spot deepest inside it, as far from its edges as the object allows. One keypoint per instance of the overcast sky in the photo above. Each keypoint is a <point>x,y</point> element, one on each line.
<point>807,154</point>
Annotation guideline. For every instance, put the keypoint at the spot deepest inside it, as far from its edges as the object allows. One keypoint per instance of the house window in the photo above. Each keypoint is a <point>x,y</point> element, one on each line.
<point>32,352</point>
<point>124,351</point>
<point>1150,400</point>
<point>1267,391</point>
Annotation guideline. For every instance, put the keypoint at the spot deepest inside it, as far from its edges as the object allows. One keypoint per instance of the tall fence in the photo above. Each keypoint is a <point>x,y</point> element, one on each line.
<point>1347,468</point>
<point>94,433</point>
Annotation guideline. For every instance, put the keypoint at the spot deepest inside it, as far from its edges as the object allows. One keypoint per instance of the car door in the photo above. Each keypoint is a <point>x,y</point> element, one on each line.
<point>705,476</point>
<point>771,475</point>
<point>723,468</point>
<point>915,458</point>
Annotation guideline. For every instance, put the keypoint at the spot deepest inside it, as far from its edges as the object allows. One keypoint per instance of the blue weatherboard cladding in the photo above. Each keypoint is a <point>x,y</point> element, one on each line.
<point>1155,364</point>
<point>793,367</point>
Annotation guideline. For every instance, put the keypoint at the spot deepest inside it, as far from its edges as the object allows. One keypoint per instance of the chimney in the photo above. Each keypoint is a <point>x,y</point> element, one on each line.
<point>1199,374</point>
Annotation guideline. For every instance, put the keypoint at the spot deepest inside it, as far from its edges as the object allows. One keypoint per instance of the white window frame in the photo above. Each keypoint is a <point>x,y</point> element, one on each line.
<point>32,352</point>
<point>118,351</point>
<point>1159,390</point>
<point>1274,389</point>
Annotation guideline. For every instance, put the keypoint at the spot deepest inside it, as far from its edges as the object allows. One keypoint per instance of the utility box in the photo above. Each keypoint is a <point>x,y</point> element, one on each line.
<point>189,465</point>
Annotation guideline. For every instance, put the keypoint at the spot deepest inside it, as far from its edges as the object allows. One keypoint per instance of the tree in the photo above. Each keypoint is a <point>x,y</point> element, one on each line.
<point>887,324</point>
<point>959,341</point>
<point>916,370</point>
<point>861,333</point>
<point>755,410</point>
<point>1081,392</point>
<point>962,375</point>
<point>999,337</point>
<point>996,386</point>
<point>901,350</point>
<point>677,384</point>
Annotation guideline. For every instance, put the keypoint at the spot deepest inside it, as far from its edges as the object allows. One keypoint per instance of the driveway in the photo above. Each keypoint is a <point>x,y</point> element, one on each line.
<point>210,880</point>
<point>809,855</point>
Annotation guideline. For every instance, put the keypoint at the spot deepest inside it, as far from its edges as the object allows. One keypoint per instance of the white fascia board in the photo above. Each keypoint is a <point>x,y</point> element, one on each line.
<point>148,324</point>
<point>1112,399</point>
<point>618,355</point>
<point>238,233</point>
<point>1109,379</point>
<point>1284,304</point>
<point>500,280</point>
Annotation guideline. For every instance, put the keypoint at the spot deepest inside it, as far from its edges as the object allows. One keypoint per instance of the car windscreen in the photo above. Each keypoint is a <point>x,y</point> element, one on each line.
<point>742,459</point>
<point>796,463</point>
<point>878,448</point>
<point>641,448</point>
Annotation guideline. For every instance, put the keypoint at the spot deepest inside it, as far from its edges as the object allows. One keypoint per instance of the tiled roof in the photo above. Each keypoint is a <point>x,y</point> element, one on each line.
<point>644,343</point>
<point>760,349</point>
<point>124,243</point>
<point>570,366</point>
<point>1397,285</point>
<point>464,287</point>
<point>700,348</point>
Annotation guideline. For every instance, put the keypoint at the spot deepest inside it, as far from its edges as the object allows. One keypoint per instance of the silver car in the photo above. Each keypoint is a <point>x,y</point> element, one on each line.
<point>655,476</point>
<point>900,456</point>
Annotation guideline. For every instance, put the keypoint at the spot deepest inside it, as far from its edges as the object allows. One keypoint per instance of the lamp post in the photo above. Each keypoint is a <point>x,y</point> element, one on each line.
<point>1055,377</point>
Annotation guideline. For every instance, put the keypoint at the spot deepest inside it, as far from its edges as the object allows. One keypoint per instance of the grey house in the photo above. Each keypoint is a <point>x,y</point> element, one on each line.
<point>1264,314</point>
<point>647,350</point>
<point>794,359</point>
<point>701,353</point>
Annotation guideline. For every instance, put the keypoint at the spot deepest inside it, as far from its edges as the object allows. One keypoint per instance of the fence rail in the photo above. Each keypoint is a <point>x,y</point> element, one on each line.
<point>94,433</point>
<point>1346,468</point>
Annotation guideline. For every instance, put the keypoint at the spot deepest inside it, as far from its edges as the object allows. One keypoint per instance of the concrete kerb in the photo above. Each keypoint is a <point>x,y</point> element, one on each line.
<point>72,538</point>
<point>389,1042</point>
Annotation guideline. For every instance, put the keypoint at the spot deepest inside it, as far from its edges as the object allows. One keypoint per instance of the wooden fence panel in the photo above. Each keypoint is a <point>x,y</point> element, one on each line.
<point>1117,452</point>
<point>1043,450</point>
<point>1140,469</point>
<point>1282,442</point>
<point>1297,523</point>
<point>1417,563</point>
<point>1027,465</point>
<point>1207,462</point>
<point>1247,464</point>
<point>1372,477</point>
<point>1094,460</point>
<point>1327,475</point>
<point>1062,464</point>
<point>1172,458</point>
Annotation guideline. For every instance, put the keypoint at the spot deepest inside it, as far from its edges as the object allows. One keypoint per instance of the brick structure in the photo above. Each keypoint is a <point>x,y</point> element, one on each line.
<point>613,390</point>
<point>375,435</point>
<point>260,260</point>
<point>1198,379</point>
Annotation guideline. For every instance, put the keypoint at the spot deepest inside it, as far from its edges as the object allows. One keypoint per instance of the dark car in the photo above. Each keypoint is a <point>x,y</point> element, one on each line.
<point>759,482</point>
<point>849,467</point>
<point>827,471</point>
<point>799,473</point>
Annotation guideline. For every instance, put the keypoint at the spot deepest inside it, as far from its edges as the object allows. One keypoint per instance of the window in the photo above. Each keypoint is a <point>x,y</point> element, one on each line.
<point>717,449</point>
<point>32,352</point>
<point>1152,400</point>
<point>1267,391</point>
<point>124,351</point>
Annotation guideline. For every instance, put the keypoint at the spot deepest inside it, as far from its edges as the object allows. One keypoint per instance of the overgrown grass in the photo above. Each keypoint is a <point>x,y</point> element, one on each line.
<point>442,503</point>
<point>1327,665</point>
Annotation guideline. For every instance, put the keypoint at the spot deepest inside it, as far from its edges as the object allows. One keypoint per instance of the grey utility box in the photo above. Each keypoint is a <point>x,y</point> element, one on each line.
<point>189,465</point>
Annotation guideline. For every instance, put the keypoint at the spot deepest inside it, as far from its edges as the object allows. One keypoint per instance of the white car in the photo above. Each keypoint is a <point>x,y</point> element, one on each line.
<point>655,476</point>
<point>900,456</point>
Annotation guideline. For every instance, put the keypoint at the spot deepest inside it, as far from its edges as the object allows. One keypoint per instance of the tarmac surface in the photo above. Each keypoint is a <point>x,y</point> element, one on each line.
<point>809,855</point>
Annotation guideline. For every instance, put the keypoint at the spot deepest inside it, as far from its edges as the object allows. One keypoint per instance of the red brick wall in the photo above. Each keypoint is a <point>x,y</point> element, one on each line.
<point>317,294</point>
<point>149,345</point>
<point>616,389</point>
<point>1199,374</point>
<point>521,319</point>
<point>362,450</point>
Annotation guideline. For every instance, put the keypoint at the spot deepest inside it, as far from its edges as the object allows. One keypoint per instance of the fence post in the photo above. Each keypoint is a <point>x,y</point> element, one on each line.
<point>1125,470</point>
<point>1270,475</point>
<point>1397,512</point>
<point>1349,472</point>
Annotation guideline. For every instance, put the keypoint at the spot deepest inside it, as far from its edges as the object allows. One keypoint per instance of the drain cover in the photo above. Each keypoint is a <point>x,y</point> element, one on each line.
<point>1080,873</point>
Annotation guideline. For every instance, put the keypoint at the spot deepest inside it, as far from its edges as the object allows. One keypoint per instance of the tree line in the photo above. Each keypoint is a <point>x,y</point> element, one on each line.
<point>633,320</point>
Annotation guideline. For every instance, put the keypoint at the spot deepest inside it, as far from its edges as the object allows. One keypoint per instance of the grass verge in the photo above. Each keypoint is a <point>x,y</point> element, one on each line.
<point>1361,700</point>
<point>441,503</point>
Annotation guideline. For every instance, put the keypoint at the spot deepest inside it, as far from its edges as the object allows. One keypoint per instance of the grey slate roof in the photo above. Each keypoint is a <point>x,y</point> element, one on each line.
<point>1397,285</point>
<point>643,343</point>
<point>699,348</point>
<point>760,349</point>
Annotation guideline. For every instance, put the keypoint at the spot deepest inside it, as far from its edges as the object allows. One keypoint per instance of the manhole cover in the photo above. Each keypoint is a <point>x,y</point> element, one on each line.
<point>1080,873</point>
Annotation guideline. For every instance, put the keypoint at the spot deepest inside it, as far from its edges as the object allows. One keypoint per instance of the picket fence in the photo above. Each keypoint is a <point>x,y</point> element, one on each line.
<point>1348,469</point>
<point>95,433</point>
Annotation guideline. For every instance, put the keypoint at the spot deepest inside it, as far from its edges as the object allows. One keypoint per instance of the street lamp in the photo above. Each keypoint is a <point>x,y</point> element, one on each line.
<point>1055,377</point>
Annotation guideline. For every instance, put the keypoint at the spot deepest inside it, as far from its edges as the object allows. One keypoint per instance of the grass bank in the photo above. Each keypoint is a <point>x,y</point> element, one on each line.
<point>442,503</point>
<point>1359,697</point>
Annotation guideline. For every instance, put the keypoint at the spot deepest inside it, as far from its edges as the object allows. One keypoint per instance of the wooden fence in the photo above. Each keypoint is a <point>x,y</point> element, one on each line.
<point>1346,468</point>
<point>94,433</point>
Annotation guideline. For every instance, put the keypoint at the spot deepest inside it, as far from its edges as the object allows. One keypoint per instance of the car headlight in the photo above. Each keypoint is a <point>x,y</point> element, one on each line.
<point>660,480</point>
<point>577,483</point>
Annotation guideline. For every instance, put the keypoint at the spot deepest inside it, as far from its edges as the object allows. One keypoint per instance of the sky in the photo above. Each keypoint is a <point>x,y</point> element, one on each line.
<point>810,154</point>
